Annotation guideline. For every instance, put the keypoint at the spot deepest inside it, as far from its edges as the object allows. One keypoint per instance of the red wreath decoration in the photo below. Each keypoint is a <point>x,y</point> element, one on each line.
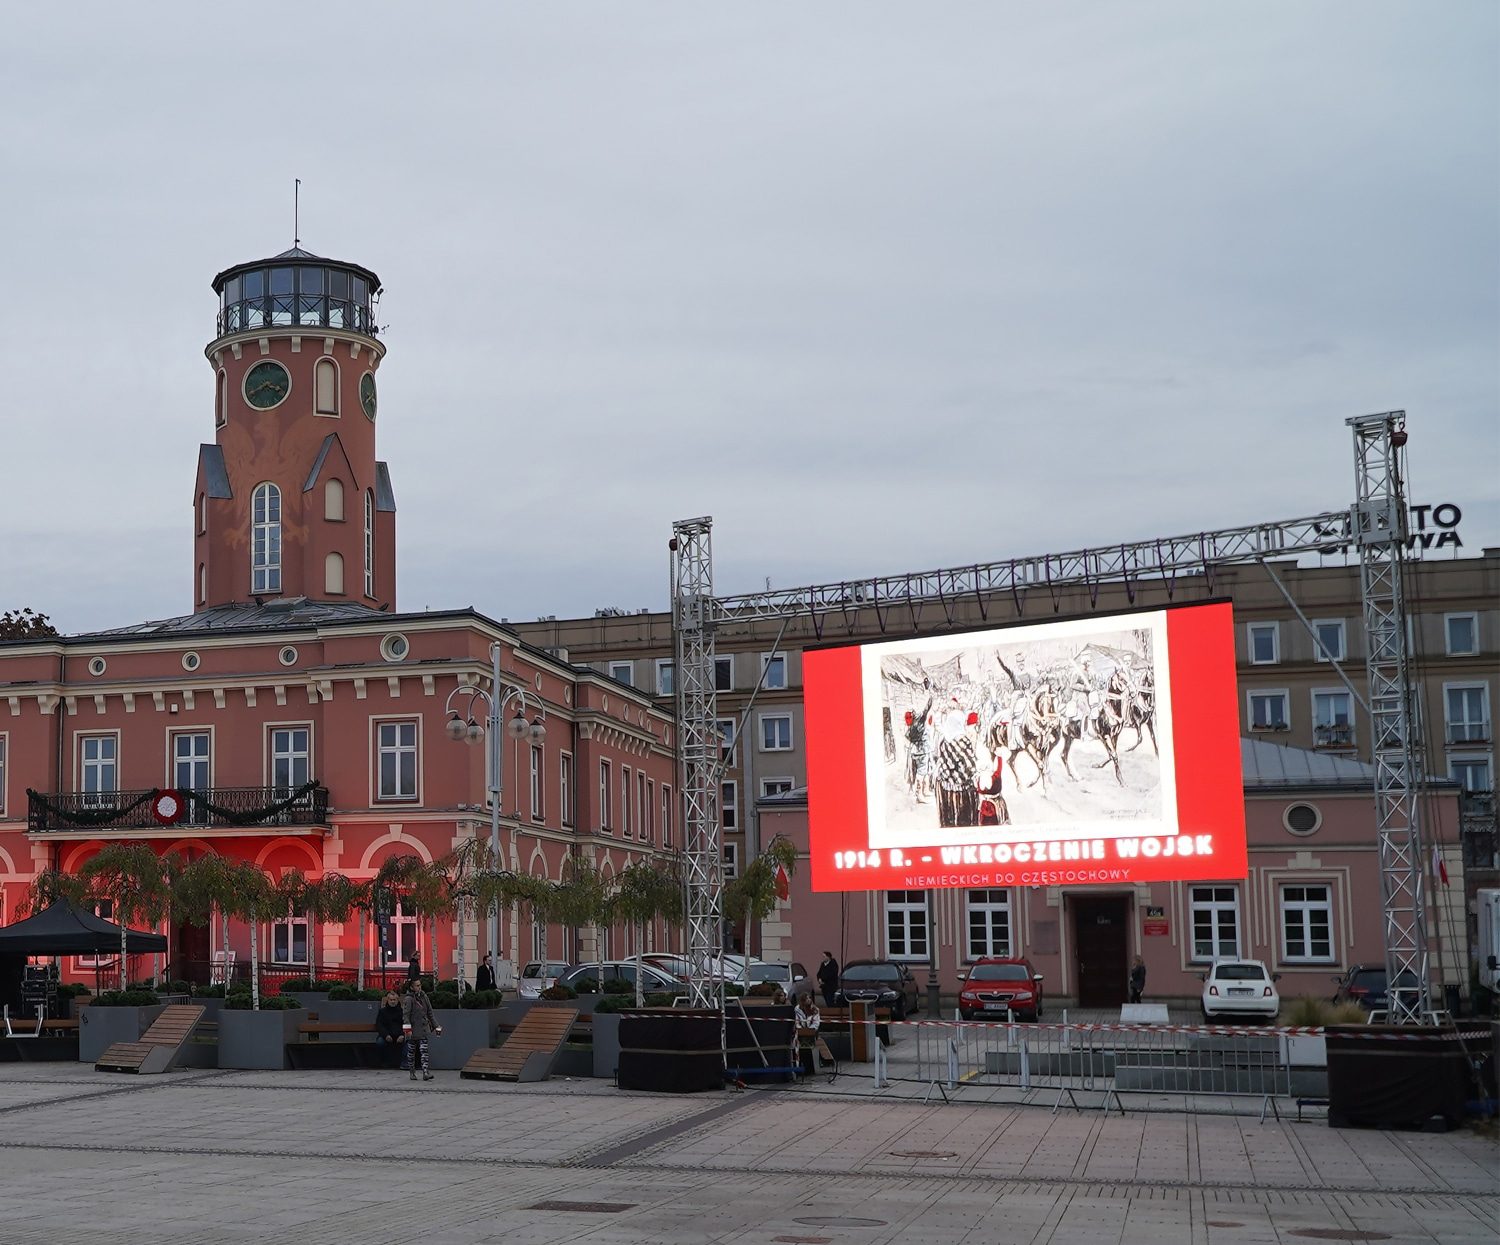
<point>168,807</point>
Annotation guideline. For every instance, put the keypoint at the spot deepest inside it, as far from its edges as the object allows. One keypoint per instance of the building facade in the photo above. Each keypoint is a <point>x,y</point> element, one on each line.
<point>302,717</point>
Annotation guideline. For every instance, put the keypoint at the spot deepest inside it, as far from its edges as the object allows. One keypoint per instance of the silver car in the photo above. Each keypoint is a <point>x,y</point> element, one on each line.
<point>539,975</point>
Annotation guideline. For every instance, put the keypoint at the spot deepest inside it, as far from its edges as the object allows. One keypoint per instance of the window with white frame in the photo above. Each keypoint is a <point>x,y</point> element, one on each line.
<point>369,543</point>
<point>627,824</point>
<point>3,741</point>
<point>1475,773</point>
<point>405,941</point>
<point>1333,718</point>
<point>606,796</point>
<point>290,757</point>
<point>728,730</point>
<point>776,732</point>
<point>1467,712</point>
<point>729,805</point>
<point>1265,643</point>
<point>538,781</point>
<point>98,768</point>
<point>641,807</point>
<point>1214,914</point>
<point>775,786</point>
<point>666,676</point>
<point>989,922</point>
<point>326,386</point>
<point>333,574</point>
<point>1330,639</point>
<point>289,940</point>
<point>1461,634</point>
<point>623,672</point>
<point>104,908</point>
<point>906,925</point>
<point>396,748</point>
<point>1268,711</point>
<point>265,539</point>
<point>202,513</point>
<point>648,812</point>
<point>773,671</point>
<point>565,788</point>
<point>723,674</point>
<point>333,501</point>
<point>192,771</point>
<point>729,857</point>
<point>1306,924</point>
<point>666,816</point>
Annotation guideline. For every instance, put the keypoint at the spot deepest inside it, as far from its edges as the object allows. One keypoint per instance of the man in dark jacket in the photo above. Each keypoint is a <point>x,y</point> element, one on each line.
<point>485,978</point>
<point>828,977</point>
<point>388,1036</point>
<point>418,1023</point>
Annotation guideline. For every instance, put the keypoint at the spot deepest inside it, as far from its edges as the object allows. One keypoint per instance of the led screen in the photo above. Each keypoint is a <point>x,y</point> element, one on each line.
<point>1088,751</point>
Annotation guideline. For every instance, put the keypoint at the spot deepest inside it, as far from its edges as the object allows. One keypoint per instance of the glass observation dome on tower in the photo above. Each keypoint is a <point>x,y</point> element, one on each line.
<point>297,289</point>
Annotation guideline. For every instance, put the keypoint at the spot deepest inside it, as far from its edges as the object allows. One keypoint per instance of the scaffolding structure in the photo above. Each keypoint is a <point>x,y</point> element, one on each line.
<point>1375,525</point>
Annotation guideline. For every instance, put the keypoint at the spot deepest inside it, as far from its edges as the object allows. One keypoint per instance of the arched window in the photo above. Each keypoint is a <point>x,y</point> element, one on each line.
<point>326,387</point>
<point>202,583</point>
<point>265,539</point>
<point>221,403</point>
<point>369,543</point>
<point>333,573</point>
<point>333,501</point>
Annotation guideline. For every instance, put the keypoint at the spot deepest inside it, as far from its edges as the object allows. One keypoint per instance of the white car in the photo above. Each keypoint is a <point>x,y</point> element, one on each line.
<point>539,975</point>
<point>1240,988</point>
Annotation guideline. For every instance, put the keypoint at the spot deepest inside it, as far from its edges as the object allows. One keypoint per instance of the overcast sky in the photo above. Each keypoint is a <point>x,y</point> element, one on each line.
<point>878,286</point>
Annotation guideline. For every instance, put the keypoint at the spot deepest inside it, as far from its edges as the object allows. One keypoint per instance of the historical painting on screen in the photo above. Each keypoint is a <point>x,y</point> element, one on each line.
<point>1053,731</point>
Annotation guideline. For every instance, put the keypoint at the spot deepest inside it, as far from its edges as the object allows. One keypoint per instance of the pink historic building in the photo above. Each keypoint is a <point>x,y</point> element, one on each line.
<point>300,713</point>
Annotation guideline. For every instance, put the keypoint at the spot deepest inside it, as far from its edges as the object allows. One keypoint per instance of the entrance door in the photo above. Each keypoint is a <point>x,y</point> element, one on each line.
<point>1101,941</point>
<point>191,958</point>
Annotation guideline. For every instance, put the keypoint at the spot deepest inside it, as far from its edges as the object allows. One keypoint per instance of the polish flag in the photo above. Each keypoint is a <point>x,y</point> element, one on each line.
<point>1439,868</point>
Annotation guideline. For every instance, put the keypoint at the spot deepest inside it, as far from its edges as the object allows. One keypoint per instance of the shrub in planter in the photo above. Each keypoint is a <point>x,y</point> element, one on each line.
<point>342,994</point>
<point>483,999</point>
<point>126,998</point>
<point>763,990</point>
<point>208,992</point>
<point>272,1003</point>
<point>558,994</point>
<point>443,999</point>
<point>72,989</point>
<point>617,985</point>
<point>447,986</point>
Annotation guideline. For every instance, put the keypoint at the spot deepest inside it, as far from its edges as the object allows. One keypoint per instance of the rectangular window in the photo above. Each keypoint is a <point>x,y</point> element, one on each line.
<point>729,805</point>
<point>565,788</point>
<point>98,768</point>
<point>729,855</point>
<point>776,732</point>
<point>290,757</point>
<point>1265,643</point>
<point>1466,708</point>
<point>666,816</point>
<point>627,826</point>
<point>1268,711</point>
<point>1333,719</point>
<point>648,811</point>
<point>775,786</point>
<point>539,940</point>
<point>1461,634</point>
<point>538,777</point>
<point>606,796</point>
<point>2,775</point>
<point>728,730</point>
<point>723,674</point>
<point>989,922</point>
<point>623,672</point>
<point>289,940</point>
<point>906,925</point>
<point>773,671</point>
<point>666,682</point>
<point>191,770</point>
<point>1473,773</point>
<point>404,940</point>
<point>397,750</point>
<point>104,908</point>
<point>1214,913</point>
<point>642,808</point>
<point>1330,639</point>
<point>1306,924</point>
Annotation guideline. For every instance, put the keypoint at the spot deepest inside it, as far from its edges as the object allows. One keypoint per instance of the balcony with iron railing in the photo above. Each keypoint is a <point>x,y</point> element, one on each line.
<point>1333,735</point>
<point>243,809</point>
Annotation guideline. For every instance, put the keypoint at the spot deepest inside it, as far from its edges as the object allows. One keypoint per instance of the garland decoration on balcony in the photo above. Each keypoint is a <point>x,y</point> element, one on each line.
<point>88,817</point>
<point>249,817</point>
<point>235,817</point>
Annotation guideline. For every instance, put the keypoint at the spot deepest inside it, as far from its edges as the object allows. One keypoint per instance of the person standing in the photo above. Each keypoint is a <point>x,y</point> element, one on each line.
<point>485,978</point>
<point>418,1024</point>
<point>1137,979</point>
<point>388,1030</point>
<point>414,969</point>
<point>828,977</point>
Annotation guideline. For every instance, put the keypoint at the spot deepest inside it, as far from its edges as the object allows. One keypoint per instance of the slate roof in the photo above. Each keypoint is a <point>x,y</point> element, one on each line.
<point>215,473</point>
<point>277,614</point>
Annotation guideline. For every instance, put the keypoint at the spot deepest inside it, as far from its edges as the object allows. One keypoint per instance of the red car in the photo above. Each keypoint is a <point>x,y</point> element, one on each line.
<point>996,985</point>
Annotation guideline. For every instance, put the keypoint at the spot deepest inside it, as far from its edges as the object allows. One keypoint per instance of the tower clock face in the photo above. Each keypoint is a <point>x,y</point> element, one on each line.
<point>266,385</point>
<point>367,394</point>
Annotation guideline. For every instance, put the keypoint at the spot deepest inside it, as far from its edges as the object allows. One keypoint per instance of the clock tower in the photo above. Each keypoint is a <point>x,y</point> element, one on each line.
<point>290,499</point>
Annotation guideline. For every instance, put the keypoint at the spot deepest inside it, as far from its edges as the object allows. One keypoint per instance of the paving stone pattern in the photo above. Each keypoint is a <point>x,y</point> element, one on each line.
<point>368,1157</point>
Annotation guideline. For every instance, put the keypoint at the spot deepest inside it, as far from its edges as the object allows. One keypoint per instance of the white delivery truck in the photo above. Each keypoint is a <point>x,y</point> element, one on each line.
<point>1487,944</point>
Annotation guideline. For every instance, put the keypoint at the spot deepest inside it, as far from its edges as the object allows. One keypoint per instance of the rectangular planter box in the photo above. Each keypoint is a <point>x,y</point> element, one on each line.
<point>345,1011</point>
<point>606,1044</point>
<point>99,1028</point>
<point>465,1030</point>
<point>250,1039</point>
<point>575,1061</point>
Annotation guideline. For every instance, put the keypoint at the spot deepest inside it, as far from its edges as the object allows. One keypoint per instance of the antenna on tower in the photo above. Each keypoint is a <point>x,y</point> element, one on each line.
<point>297,212</point>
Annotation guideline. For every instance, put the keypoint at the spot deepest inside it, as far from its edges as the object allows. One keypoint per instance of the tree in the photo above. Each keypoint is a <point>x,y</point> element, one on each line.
<point>496,890</point>
<point>251,897</point>
<point>332,899</point>
<point>205,889</point>
<point>407,876</point>
<point>292,895</point>
<point>644,891</point>
<point>581,898</point>
<point>451,881</point>
<point>132,877</point>
<point>49,886</point>
<point>25,624</point>
<point>751,897</point>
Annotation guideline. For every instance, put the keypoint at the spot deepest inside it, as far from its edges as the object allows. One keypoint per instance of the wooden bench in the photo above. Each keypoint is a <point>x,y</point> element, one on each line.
<point>313,1030</point>
<point>334,1044</point>
<point>159,1045</point>
<point>531,1050</point>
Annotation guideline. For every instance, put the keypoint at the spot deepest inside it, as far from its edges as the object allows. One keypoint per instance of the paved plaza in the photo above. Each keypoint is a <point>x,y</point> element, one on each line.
<point>368,1157</point>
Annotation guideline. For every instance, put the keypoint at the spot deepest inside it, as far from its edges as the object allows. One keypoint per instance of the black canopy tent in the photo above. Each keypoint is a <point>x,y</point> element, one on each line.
<point>63,929</point>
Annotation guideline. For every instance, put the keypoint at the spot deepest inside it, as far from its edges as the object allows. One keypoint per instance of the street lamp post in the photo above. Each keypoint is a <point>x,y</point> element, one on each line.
<point>462,725</point>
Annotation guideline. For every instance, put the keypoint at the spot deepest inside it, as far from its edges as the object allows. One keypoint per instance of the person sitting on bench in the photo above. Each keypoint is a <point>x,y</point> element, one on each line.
<point>808,1020</point>
<point>388,1034</point>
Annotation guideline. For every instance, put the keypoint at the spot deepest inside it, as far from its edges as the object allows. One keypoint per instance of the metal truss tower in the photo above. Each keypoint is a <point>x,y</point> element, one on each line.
<point>1376,524</point>
<point>698,749</point>
<point>1379,534</point>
